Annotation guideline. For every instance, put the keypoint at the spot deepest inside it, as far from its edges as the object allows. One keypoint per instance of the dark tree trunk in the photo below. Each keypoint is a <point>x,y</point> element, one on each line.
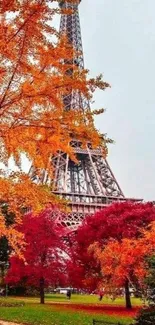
<point>2,274</point>
<point>127,295</point>
<point>42,296</point>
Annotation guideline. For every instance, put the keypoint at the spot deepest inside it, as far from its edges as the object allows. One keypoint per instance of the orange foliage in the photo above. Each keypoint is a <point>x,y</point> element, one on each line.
<point>18,193</point>
<point>125,260</point>
<point>33,82</point>
<point>15,238</point>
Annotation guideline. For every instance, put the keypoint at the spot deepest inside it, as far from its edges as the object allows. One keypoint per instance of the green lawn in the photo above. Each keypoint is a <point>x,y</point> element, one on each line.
<point>90,299</point>
<point>34,313</point>
<point>81,299</point>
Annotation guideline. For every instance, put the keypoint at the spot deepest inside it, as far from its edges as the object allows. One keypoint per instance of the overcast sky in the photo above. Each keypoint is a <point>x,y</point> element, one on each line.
<point>119,41</point>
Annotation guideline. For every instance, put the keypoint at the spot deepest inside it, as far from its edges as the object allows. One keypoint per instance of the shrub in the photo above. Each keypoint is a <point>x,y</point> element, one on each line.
<point>146,317</point>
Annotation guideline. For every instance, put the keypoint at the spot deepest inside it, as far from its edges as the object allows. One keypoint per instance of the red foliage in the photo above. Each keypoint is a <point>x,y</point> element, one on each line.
<point>118,221</point>
<point>43,254</point>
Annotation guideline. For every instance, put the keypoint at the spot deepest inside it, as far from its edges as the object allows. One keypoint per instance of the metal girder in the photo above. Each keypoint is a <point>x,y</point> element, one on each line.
<point>91,176</point>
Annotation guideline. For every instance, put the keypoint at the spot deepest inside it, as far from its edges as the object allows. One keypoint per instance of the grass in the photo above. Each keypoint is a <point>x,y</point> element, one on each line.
<point>37,315</point>
<point>55,314</point>
<point>90,299</point>
<point>82,299</point>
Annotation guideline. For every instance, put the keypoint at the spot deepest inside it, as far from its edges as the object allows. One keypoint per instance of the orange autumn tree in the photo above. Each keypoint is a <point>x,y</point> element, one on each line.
<point>33,82</point>
<point>125,261</point>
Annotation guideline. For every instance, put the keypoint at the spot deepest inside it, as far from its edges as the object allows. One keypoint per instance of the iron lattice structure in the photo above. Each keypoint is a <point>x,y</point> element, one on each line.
<point>89,185</point>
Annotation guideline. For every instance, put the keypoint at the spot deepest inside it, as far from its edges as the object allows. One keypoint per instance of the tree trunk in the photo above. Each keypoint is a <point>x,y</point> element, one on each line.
<point>127,295</point>
<point>42,296</point>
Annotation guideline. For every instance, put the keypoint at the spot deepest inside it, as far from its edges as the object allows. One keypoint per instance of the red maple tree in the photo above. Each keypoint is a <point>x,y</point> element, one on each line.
<point>44,259</point>
<point>118,221</point>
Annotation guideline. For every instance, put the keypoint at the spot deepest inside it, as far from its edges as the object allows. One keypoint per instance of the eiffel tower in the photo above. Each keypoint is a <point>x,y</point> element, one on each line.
<point>89,185</point>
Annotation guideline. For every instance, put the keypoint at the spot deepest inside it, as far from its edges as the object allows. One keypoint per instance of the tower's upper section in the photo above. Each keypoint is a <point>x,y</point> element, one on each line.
<point>70,26</point>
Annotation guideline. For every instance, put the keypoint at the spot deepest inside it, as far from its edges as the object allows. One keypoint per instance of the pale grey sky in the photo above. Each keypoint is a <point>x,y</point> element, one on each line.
<point>119,41</point>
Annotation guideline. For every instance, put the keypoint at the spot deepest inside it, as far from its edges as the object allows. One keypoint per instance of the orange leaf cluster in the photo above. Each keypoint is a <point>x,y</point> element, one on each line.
<point>33,83</point>
<point>15,238</point>
<point>19,194</point>
<point>125,259</point>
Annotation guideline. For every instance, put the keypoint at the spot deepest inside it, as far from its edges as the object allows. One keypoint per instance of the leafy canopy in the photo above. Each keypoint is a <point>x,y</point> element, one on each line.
<point>118,222</point>
<point>44,254</point>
